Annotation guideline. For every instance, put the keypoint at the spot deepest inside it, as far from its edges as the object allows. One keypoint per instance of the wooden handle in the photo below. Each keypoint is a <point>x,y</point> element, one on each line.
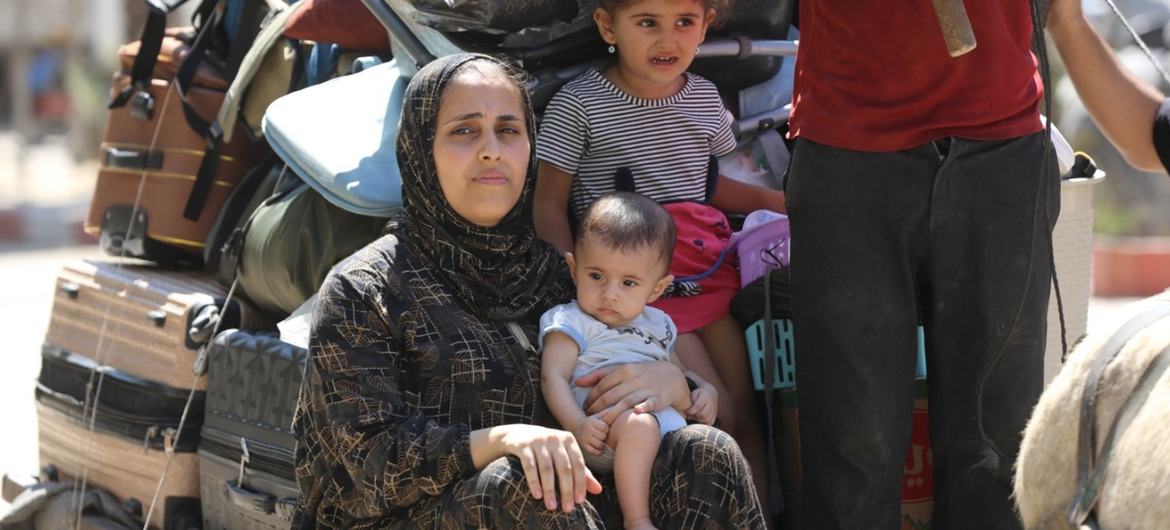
<point>956,27</point>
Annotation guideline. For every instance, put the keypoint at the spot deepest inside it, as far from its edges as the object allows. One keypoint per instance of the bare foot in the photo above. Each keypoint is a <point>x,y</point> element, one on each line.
<point>638,524</point>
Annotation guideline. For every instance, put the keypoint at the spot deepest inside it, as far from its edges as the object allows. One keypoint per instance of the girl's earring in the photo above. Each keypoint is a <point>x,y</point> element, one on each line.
<point>612,49</point>
<point>697,50</point>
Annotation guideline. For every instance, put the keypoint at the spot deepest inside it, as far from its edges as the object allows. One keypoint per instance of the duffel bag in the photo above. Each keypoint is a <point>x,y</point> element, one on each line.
<point>287,243</point>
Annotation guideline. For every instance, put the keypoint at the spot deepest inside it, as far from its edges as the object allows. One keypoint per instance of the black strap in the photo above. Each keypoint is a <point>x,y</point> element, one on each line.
<point>1088,487</point>
<point>142,71</point>
<point>204,179</point>
<point>251,18</point>
<point>210,131</point>
<point>775,496</point>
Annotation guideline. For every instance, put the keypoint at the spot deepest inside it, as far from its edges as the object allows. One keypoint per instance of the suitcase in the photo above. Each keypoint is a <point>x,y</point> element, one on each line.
<point>137,317</point>
<point>247,446</point>
<point>151,156</point>
<point>134,427</point>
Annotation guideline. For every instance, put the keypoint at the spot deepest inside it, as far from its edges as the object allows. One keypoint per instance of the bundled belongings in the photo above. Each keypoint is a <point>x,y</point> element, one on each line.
<point>148,145</point>
<point>246,456</point>
<point>121,368</point>
<point>170,159</point>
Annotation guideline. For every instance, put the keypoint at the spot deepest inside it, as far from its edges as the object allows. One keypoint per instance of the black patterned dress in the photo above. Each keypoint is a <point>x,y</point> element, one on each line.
<point>399,376</point>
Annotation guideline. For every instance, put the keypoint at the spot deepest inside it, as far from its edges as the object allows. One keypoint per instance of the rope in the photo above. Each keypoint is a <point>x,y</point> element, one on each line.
<point>1138,39</point>
<point>90,407</point>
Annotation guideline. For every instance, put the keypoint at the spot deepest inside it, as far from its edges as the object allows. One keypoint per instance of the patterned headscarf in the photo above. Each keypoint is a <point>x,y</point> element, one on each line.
<point>502,272</point>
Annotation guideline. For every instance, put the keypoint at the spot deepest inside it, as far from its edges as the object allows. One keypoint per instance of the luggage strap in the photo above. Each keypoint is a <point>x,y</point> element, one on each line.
<point>213,132</point>
<point>1090,467</point>
<point>270,34</point>
<point>142,71</point>
<point>775,496</point>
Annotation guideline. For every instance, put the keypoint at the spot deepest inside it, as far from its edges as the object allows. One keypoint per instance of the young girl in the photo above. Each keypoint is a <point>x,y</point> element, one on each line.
<point>646,119</point>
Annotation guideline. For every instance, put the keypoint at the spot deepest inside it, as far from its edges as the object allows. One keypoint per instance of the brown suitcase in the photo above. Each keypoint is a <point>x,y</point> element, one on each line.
<point>159,153</point>
<point>127,468</point>
<point>136,317</point>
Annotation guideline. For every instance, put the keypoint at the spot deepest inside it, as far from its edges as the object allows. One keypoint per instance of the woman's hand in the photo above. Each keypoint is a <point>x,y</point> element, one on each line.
<point>644,387</point>
<point>551,459</point>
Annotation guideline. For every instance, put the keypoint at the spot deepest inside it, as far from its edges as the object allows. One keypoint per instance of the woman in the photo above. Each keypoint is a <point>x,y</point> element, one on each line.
<point>420,405</point>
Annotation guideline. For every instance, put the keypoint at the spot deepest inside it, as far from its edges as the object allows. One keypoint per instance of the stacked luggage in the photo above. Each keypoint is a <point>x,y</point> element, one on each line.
<point>163,379</point>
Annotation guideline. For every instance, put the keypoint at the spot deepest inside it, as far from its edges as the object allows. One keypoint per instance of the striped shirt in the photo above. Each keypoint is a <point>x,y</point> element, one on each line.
<point>591,128</point>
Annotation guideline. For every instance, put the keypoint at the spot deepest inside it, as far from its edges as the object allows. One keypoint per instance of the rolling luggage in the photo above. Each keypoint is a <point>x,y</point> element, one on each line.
<point>141,319</point>
<point>164,174</point>
<point>246,453</point>
<point>134,427</point>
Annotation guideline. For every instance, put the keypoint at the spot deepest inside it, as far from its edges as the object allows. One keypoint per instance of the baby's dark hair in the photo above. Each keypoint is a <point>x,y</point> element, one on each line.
<point>720,7</point>
<point>627,221</point>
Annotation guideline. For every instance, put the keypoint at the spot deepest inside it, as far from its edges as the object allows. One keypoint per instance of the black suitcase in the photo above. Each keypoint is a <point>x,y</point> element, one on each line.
<point>123,447</point>
<point>246,453</point>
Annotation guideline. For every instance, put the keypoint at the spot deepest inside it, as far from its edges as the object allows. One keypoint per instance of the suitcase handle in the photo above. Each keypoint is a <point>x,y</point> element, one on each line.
<point>240,497</point>
<point>70,289</point>
<point>132,158</point>
<point>158,317</point>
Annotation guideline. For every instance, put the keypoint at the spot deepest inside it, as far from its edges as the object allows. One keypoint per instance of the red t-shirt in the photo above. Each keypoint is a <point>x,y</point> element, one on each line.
<point>875,75</point>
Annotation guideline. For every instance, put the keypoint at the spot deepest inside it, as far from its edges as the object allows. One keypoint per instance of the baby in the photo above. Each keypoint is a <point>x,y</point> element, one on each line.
<point>620,262</point>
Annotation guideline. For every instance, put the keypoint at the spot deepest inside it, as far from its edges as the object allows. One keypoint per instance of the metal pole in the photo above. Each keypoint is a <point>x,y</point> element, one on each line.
<point>400,32</point>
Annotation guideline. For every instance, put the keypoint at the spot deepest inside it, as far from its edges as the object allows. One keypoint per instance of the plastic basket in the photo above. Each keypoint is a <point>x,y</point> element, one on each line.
<point>785,373</point>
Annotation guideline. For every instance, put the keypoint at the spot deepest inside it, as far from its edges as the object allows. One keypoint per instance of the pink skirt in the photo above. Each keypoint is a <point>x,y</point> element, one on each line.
<point>702,234</point>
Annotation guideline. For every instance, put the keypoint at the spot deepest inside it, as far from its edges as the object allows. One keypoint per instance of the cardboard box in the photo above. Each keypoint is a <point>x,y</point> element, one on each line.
<point>918,484</point>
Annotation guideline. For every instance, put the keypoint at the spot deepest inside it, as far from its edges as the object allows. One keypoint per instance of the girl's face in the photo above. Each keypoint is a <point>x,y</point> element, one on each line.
<point>481,145</point>
<point>656,40</point>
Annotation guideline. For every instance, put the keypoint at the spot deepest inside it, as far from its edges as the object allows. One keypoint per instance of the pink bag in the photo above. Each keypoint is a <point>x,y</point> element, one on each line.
<point>702,256</point>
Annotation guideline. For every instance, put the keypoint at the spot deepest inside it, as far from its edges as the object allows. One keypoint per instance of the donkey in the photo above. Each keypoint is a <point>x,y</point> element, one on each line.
<point>1117,469</point>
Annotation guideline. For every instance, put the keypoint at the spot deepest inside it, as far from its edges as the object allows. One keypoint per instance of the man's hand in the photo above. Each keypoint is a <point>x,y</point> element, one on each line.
<point>704,405</point>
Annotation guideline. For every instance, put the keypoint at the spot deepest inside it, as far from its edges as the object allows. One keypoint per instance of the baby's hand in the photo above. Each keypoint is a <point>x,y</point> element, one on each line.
<point>591,433</point>
<point>704,405</point>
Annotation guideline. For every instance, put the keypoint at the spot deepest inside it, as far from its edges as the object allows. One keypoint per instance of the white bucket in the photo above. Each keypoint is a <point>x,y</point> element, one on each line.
<point>1072,246</point>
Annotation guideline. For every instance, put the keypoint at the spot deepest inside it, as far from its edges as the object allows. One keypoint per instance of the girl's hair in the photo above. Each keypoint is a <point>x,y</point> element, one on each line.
<point>720,7</point>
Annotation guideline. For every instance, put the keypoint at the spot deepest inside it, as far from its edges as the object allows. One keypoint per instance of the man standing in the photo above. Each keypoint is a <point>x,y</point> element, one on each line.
<point>917,187</point>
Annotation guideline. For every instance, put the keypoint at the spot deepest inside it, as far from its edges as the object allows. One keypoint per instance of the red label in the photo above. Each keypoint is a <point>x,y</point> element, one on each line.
<point>918,484</point>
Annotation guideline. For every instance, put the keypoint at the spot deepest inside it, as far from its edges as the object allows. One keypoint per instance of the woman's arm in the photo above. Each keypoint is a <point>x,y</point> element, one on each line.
<point>550,209</point>
<point>644,387</point>
<point>1121,104</point>
<point>357,416</point>
<point>733,196</point>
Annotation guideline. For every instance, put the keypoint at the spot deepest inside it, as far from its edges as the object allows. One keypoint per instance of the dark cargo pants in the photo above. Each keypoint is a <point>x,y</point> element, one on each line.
<point>961,228</point>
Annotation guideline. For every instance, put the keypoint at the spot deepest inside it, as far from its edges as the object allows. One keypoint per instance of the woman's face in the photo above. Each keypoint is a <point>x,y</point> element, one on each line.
<point>481,144</point>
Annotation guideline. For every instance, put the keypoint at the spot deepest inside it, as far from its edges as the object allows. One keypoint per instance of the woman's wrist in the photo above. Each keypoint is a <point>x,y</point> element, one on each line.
<point>487,444</point>
<point>682,391</point>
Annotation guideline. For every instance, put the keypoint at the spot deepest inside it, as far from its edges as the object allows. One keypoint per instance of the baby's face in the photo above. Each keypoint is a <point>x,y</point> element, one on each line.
<point>613,285</point>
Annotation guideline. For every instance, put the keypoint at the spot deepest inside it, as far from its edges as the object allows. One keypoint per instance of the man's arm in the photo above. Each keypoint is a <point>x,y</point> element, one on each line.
<point>1121,104</point>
